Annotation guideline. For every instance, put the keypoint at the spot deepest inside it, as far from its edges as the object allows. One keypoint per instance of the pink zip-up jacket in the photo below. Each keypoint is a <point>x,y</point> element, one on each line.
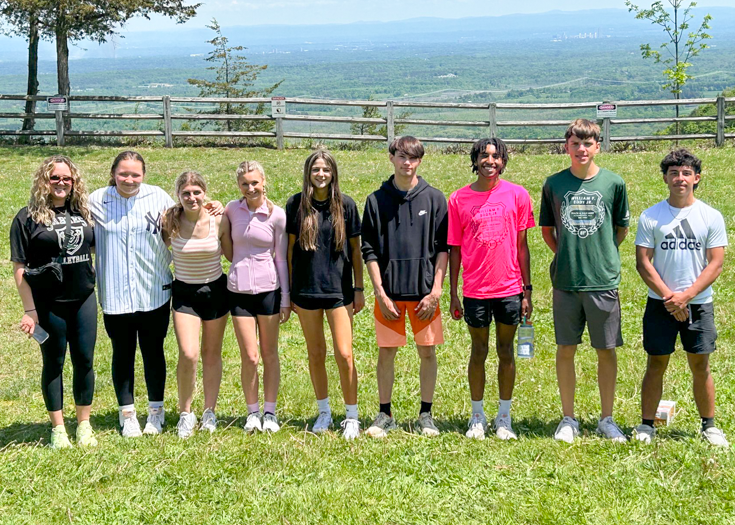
<point>260,243</point>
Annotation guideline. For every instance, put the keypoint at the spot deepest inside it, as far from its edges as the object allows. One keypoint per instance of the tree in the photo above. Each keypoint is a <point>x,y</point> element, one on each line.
<point>234,78</point>
<point>706,110</point>
<point>366,128</point>
<point>22,17</point>
<point>676,52</point>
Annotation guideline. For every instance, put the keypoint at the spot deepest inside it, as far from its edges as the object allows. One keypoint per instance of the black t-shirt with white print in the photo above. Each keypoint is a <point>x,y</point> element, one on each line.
<point>324,273</point>
<point>36,244</point>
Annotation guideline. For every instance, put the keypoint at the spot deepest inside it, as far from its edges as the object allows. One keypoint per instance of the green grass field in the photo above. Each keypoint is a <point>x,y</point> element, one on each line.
<point>296,477</point>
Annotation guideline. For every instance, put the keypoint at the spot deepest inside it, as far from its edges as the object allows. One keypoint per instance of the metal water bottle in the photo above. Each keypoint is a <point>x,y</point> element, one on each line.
<point>525,339</point>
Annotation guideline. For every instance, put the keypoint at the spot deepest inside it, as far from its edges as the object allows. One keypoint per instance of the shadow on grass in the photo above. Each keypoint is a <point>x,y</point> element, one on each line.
<point>24,433</point>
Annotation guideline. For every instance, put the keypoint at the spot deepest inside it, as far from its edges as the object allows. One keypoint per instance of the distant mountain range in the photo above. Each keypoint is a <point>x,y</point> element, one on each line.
<point>599,23</point>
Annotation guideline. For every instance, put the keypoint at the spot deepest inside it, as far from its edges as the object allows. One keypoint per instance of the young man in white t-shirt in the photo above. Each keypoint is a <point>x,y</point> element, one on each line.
<point>680,248</point>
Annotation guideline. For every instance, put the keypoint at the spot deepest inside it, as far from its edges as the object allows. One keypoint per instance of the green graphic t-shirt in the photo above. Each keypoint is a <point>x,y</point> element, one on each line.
<point>585,214</point>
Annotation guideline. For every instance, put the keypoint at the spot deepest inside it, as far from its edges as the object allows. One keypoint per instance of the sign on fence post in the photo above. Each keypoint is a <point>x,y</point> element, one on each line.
<point>606,111</point>
<point>278,111</point>
<point>58,105</point>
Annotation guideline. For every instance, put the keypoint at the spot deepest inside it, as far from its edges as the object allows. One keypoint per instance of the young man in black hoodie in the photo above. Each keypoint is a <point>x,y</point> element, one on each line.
<point>404,244</point>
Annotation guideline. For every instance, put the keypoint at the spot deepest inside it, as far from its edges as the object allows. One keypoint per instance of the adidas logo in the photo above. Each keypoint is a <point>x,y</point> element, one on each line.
<point>681,238</point>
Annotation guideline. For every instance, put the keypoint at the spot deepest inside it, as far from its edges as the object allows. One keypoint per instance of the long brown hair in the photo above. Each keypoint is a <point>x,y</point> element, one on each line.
<point>172,217</point>
<point>247,166</point>
<point>309,224</point>
<point>40,205</point>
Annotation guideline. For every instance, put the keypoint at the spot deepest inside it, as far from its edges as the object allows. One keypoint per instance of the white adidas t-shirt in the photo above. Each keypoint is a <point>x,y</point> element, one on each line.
<point>680,238</point>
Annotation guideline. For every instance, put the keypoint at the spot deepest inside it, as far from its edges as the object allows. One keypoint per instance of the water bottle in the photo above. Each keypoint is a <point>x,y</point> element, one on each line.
<point>39,334</point>
<point>525,339</point>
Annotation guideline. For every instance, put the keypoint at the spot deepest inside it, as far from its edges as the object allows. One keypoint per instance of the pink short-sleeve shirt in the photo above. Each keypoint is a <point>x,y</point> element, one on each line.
<point>485,225</point>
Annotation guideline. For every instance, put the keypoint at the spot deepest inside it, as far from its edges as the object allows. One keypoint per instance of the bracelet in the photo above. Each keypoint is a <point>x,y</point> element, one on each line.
<point>31,310</point>
<point>528,288</point>
<point>359,289</point>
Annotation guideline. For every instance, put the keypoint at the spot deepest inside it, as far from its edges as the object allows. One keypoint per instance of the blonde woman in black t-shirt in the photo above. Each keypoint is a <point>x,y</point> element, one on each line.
<point>323,228</point>
<point>67,311</point>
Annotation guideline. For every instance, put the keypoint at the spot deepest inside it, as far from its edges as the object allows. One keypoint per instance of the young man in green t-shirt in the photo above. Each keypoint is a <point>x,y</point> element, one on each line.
<point>584,218</point>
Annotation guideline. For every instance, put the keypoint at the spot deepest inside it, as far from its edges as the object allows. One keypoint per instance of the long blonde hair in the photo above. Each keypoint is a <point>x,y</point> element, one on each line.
<point>40,205</point>
<point>309,224</point>
<point>253,165</point>
<point>172,217</point>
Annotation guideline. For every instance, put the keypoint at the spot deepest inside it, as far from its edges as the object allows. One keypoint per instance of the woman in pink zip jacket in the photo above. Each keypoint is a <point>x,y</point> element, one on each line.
<point>258,290</point>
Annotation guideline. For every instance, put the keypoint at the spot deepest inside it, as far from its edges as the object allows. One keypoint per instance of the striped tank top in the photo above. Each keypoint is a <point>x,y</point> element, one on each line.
<point>198,261</point>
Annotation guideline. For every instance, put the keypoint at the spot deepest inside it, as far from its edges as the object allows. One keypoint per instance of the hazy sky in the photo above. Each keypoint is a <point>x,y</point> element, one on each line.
<point>258,12</point>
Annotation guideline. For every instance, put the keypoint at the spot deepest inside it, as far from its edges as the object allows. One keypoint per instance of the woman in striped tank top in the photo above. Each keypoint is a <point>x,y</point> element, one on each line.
<point>199,296</point>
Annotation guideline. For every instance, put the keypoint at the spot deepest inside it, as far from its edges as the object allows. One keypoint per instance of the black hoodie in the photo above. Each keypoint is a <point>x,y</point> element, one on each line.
<point>405,232</point>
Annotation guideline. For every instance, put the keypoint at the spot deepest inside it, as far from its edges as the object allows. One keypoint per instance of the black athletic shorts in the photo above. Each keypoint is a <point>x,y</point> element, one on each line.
<point>479,313</point>
<point>313,303</point>
<point>698,332</point>
<point>253,305</point>
<point>207,301</point>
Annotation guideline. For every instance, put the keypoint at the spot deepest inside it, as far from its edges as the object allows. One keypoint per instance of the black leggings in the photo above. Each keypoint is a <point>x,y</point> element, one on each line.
<point>74,323</point>
<point>149,328</point>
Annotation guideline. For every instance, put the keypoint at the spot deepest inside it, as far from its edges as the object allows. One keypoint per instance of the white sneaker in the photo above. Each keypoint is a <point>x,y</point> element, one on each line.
<point>644,433</point>
<point>715,436</point>
<point>129,425</point>
<point>209,421</point>
<point>322,423</point>
<point>610,430</point>
<point>477,427</point>
<point>270,423</point>
<point>503,428</point>
<point>154,423</point>
<point>350,428</point>
<point>567,430</point>
<point>187,422</point>
<point>253,423</point>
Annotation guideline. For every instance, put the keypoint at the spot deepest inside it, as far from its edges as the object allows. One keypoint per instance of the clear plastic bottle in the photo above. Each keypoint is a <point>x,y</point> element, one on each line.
<point>525,339</point>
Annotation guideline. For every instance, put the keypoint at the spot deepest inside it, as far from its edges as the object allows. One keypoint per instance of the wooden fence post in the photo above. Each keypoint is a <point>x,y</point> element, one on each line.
<point>606,134</point>
<point>279,133</point>
<point>390,122</point>
<point>167,126</point>
<point>493,116</point>
<point>720,140</point>
<point>59,128</point>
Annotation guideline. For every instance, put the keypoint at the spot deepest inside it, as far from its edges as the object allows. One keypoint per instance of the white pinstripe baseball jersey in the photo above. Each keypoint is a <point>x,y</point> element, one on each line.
<point>132,260</point>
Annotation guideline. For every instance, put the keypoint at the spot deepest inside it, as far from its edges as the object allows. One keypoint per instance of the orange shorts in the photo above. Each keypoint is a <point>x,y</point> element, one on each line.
<point>393,333</point>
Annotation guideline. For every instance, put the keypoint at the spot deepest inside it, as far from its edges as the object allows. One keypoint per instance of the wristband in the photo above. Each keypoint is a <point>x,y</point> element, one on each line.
<point>31,310</point>
<point>528,288</point>
<point>358,289</point>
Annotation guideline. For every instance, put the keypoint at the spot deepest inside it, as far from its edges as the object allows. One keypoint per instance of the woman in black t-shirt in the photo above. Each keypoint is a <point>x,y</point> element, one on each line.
<point>38,236</point>
<point>323,228</point>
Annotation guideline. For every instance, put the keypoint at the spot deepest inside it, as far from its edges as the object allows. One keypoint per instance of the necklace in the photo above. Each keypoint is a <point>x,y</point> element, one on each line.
<point>676,215</point>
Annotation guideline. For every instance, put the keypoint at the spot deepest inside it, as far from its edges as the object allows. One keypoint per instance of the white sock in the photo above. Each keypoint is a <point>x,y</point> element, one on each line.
<point>125,408</point>
<point>351,411</point>
<point>504,407</point>
<point>477,407</point>
<point>155,404</point>
<point>323,405</point>
<point>254,408</point>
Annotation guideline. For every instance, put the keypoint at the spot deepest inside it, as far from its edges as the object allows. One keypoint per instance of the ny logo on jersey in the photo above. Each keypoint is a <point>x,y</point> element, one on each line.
<point>153,224</point>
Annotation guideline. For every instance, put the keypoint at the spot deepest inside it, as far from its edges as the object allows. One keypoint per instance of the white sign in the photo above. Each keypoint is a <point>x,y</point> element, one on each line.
<point>57,103</point>
<point>607,110</point>
<point>278,106</point>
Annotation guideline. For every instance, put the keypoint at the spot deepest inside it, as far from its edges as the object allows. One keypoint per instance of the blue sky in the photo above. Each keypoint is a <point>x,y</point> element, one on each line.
<point>259,12</point>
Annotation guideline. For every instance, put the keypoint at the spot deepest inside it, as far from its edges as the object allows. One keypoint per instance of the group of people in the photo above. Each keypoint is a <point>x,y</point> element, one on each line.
<point>309,258</point>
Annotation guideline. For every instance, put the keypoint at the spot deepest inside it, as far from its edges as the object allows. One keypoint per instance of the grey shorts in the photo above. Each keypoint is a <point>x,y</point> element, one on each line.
<point>599,310</point>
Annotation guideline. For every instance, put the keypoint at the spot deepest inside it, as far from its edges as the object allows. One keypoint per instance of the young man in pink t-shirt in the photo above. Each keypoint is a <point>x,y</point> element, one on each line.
<point>488,220</point>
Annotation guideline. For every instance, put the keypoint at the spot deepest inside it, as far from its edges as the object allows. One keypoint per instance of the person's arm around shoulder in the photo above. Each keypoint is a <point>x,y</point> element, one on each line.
<point>225,236</point>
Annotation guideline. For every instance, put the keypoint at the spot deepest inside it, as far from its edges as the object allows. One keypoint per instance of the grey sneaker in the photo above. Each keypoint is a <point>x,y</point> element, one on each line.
<point>154,423</point>
<point>187,422</point>
<point>425,425</point>
<point>503,428</point>
<point>644,433</point>
<point>381,426</point>
<point>209,421</point>
<point>715,436</point>
<point>322,423</point>
<point>567,430</point>
<point>610,430</point>
<point>253,423</point>
<point>477,427</point>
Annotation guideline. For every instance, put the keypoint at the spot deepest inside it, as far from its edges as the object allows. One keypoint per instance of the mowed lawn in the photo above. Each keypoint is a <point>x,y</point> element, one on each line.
<point>296,477</point>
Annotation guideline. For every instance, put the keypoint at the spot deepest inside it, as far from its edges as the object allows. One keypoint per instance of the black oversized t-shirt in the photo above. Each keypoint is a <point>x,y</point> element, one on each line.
<point>36,244</point>
<point>324,273</point>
